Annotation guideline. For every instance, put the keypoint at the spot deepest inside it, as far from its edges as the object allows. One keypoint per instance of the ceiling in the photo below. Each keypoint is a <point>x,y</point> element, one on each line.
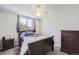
<point>30,9</point>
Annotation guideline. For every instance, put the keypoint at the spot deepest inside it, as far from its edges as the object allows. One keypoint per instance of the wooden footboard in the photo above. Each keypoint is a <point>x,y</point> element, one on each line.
<point>41,47</point>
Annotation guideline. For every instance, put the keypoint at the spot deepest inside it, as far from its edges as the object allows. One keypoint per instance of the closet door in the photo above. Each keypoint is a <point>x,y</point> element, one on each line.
<point>70,42</point>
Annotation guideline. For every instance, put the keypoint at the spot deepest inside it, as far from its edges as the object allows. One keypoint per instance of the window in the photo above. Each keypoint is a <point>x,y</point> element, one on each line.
<point>25,24</point>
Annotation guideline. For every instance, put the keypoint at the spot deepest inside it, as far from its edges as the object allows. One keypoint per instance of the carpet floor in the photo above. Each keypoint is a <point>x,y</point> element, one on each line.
<point>16,51</point>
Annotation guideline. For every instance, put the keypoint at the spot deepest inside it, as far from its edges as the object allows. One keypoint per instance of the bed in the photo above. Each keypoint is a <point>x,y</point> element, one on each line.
<point>37,45</point>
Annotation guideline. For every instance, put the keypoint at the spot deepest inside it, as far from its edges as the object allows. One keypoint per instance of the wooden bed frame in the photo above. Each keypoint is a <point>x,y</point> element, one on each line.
<point>41,47</point>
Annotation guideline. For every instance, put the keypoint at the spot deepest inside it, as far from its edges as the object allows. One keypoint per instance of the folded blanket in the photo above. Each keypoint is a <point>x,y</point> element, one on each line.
<point>24,48</point>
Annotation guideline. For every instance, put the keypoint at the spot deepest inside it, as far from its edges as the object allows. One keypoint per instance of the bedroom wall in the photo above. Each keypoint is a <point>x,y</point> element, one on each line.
<point>8,24</point>
<point>38,26</point>
<point>60,17</point>
<point>27,10</point>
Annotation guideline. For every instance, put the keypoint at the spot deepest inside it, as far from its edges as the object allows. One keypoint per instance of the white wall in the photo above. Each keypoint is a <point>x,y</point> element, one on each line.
<point>61,17</point>
<point>27,10</point>
<point>38,26</point>
<point>8,24</point>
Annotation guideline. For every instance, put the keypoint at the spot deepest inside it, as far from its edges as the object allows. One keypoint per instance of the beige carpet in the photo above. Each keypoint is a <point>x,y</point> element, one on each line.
<point>16,51</point>
<point>57,51</point>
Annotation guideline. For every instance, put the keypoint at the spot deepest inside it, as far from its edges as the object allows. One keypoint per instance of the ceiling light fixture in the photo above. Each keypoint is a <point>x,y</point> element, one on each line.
<point>40,10</point>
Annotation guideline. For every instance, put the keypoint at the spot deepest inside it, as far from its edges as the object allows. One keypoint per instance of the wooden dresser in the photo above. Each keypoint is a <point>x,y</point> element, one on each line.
<point>70,41</point>
<point>7,44</point>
